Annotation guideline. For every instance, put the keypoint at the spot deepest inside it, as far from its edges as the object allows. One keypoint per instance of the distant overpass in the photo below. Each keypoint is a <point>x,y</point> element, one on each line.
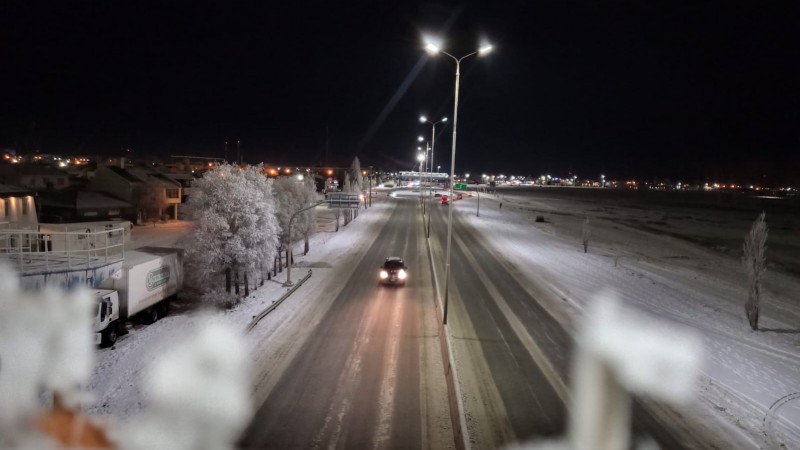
<point>426,177</point>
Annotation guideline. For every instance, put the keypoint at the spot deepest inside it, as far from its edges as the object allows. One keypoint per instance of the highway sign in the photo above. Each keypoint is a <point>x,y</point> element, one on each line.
<point>343,200</point>
<point>461,186</point>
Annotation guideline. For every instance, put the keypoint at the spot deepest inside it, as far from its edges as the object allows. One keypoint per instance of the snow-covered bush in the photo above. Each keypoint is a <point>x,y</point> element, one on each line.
<point>199,395</point>
<point>46,345</point>
<point>754,260</point>
<point>199,391</point>
<point>235,225</point>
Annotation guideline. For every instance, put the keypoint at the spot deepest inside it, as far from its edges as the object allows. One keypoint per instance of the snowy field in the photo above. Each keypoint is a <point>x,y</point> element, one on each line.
<point>674,258</point>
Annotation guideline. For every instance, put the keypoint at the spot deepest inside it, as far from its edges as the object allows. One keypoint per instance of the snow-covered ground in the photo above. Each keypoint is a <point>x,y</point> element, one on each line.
<point>679,263</point>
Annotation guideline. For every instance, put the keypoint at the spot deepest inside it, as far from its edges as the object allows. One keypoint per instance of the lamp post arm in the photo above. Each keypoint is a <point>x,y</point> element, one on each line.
<point>289,258</point>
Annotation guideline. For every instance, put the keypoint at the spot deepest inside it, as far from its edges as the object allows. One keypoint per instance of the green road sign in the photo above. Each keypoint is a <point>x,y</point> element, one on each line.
<point>461,186</point>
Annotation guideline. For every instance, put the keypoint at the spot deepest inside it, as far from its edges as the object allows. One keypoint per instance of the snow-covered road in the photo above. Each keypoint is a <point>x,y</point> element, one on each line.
<point>662,259</point>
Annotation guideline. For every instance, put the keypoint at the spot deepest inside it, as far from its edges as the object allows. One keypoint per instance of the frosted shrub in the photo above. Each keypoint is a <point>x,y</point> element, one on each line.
<point>755,263</point>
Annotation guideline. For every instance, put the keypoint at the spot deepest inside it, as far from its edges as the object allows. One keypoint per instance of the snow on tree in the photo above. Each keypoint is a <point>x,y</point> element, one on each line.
<point>349,187</point>
<point>309,223</point>
<point>356,177</point>
<point>235,225</point>
<point>290,198</point>
<point>152,199</point>
<point>585,234</point>
<point>755,263</point>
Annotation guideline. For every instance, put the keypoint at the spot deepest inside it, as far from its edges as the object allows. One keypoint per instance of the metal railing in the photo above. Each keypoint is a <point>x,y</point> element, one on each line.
<point>34,251</point>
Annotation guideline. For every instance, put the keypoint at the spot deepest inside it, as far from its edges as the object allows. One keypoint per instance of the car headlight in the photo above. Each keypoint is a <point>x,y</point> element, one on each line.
<point>402,274</point>
<point>384,274</point>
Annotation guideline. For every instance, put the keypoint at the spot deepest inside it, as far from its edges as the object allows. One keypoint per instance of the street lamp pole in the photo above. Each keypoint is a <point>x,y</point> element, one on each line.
<point>424,119</point>
<point>290,260</point>
<point>434,49</point>
<point>421,159</point>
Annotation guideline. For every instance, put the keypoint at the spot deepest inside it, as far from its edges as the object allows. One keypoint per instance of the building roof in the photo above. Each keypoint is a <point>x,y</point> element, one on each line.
<point>6,190</point>
<point>141,174</point>
<point>81,200</point>
<point>92,200</point>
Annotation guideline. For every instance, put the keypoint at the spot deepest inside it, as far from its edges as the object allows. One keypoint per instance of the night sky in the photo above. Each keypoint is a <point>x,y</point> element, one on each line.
<point>686,90</point>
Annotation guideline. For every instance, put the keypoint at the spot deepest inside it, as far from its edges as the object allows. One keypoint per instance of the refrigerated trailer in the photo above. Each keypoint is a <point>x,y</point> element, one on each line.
<point>148,278</point>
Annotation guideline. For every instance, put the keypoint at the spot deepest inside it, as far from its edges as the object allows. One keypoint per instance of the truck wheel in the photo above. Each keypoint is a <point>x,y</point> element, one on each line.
<point>109,335</point>
<point>154,314</point>
<point>150,315</point>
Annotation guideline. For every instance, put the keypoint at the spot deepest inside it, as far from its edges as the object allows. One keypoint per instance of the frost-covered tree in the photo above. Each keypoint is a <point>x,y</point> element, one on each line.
<point>309,224</point>
<point>290,198</point>
<point>585,234</point>
<point>235,225</point>
<point>754,260</point>
<point>349,187</point>
<point>151,199</point>
<point>356,177</point>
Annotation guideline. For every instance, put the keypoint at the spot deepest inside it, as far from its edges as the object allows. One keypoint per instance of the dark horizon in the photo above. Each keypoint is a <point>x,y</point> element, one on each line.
<point>679,90</point>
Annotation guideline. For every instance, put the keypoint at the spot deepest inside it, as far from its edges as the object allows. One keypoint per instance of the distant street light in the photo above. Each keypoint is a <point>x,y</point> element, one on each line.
<point>433,49</point>
<point>424,119</point>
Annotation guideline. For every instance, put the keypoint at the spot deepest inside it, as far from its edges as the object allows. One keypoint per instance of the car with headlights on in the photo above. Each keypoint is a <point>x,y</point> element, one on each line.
<point>393,272</point>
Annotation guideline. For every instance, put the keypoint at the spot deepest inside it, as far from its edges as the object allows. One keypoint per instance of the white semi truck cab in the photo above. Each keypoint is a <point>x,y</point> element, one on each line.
<point>149,276</point>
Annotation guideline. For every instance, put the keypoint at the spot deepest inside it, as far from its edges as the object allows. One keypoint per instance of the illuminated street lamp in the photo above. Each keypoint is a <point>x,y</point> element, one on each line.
<point>434,49</point>
<point>421,158</point>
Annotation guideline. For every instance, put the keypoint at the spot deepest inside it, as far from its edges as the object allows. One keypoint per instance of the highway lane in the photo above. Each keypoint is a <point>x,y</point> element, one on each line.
<point>513,391</point>
<point>514,356</point>
<point>370,374</point>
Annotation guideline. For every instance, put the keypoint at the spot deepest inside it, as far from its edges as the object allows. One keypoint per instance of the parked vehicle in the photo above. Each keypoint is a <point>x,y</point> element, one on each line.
<point>393,271</point>
<point>149,276</point>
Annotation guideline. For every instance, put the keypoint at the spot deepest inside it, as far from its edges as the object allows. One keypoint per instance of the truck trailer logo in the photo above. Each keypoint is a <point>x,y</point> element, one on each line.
<point>157,277</point>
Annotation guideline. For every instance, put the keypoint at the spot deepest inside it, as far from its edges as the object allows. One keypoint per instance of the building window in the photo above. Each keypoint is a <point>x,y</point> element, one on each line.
<point>173,193</point>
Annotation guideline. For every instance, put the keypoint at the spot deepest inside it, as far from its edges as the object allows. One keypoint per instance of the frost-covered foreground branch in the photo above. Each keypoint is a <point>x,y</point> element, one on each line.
<point>198,391</point>
<point>621,352</point>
